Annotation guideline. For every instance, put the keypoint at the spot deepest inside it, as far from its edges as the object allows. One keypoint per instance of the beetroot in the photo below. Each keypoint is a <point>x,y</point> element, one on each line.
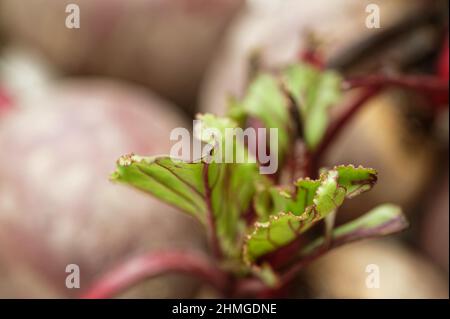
<point>163,44</point>
<point>57,206</point>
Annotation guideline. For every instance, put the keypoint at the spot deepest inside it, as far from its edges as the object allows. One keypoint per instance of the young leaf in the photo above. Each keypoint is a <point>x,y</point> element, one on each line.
<point>348,181</point>
<point>268,99</point>
<point>292,214</point>
<point>314,92</point>
<point>266,102</point>
<point>381,221</point>
<point>223,190</point>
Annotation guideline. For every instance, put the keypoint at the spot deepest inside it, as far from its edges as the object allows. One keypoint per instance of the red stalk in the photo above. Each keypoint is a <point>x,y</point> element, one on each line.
<point>433,87</point>
<point>155,264</point>
<point>422,83</point>
<point>373,84</point>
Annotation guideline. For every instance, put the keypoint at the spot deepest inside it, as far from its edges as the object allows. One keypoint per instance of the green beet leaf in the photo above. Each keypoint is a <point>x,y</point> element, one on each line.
<point>198,188</point>
<point>291,214</point>
<point>266,102</point>
<point>314,92</point>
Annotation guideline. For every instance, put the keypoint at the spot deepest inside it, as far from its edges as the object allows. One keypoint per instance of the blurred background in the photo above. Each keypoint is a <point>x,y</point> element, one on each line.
<point>72,100</point>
